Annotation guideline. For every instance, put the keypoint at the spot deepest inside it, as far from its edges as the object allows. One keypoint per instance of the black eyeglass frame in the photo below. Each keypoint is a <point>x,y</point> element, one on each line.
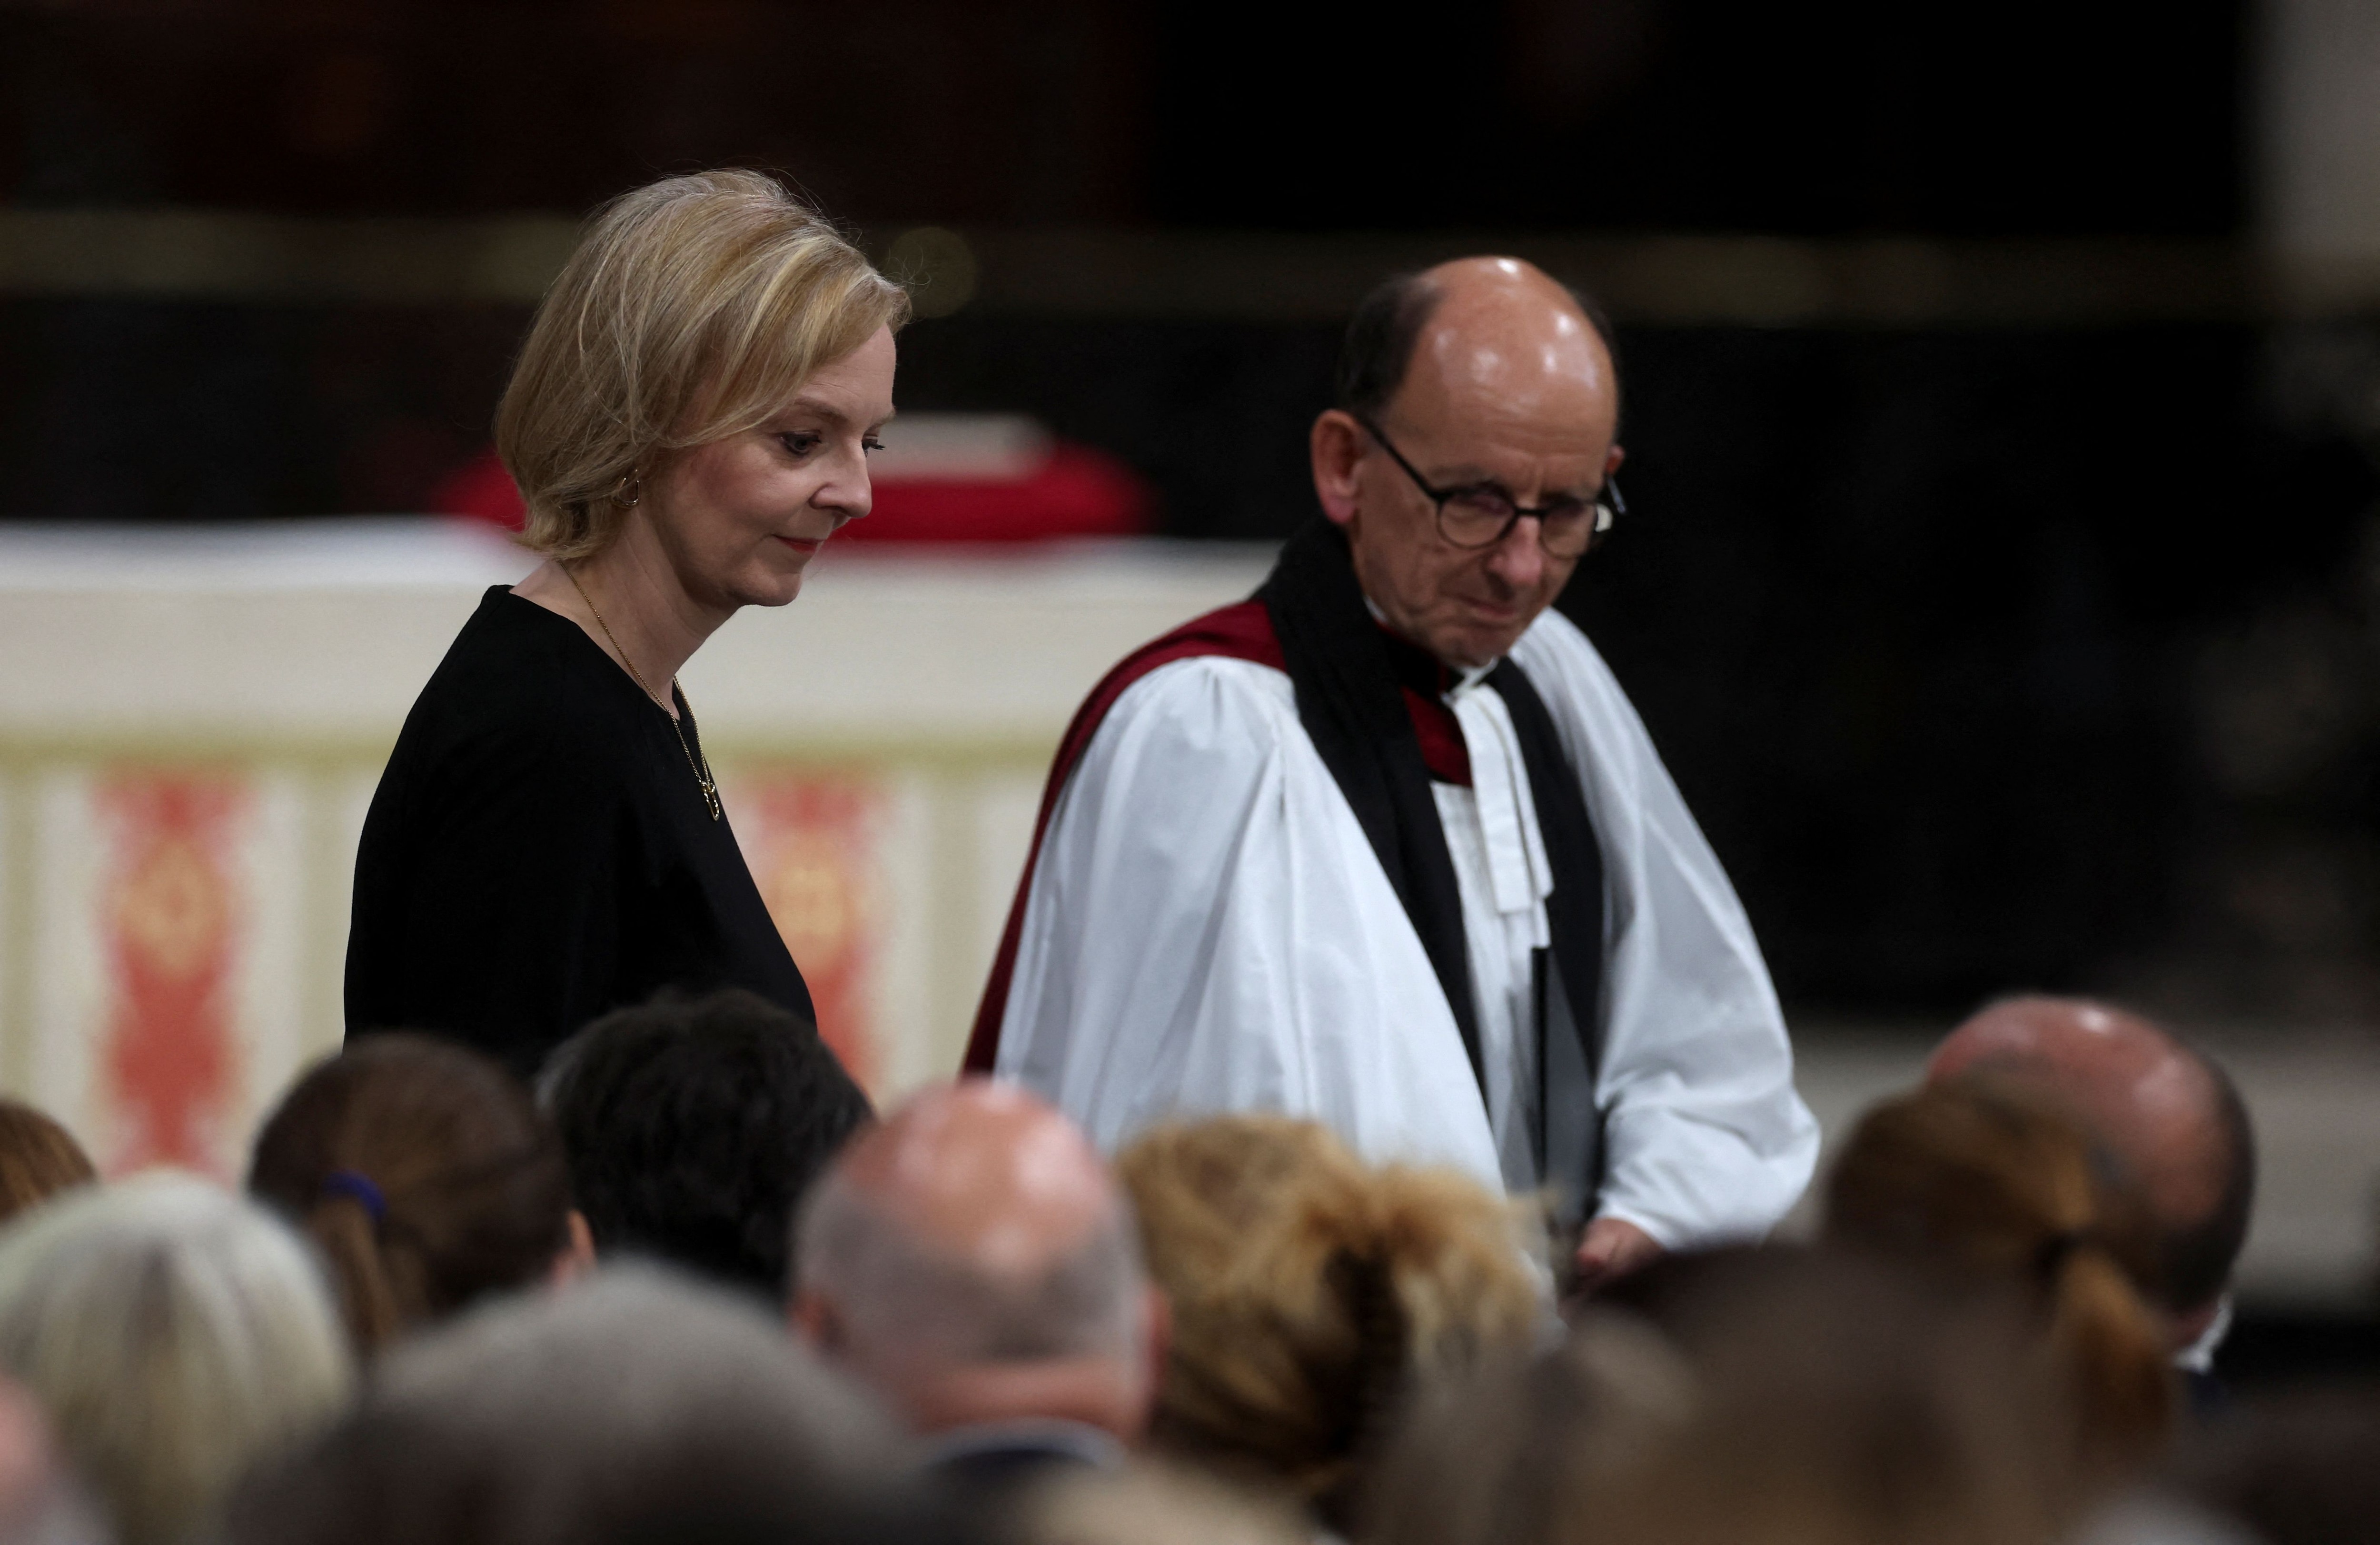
<point>1606,502</point>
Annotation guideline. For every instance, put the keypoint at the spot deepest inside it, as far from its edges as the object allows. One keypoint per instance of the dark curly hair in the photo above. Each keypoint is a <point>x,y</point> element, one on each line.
<point>694,1127</point>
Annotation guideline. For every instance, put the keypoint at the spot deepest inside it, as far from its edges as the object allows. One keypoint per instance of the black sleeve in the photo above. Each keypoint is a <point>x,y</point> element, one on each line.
<point>487,892</point>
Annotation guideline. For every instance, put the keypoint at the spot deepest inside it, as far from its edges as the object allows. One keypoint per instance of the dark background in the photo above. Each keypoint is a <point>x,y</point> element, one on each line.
<point>1991,656</point>
<point>2027,115</point>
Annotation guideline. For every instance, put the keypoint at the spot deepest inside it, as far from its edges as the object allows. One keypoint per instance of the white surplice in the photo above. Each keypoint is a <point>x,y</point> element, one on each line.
<point>1208,930</point>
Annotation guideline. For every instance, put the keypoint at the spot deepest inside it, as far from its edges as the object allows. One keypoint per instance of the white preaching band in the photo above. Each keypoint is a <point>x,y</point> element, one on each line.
<point>1227,908</point>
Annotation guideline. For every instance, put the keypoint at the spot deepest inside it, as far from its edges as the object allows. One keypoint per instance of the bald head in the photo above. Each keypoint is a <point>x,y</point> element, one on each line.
<point>972,1257</point>
<point>1507,345</point>
<point>2167,1114</point>
<point>1483,370</point>
<point>984,1174</point>
<point>1494,327</point>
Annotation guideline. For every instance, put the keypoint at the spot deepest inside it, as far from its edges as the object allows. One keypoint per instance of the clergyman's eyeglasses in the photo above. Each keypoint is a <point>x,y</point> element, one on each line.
<point>1481,515</point>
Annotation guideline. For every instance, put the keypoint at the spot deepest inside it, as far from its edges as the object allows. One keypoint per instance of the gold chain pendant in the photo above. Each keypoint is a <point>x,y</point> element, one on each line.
<point>701,769</point>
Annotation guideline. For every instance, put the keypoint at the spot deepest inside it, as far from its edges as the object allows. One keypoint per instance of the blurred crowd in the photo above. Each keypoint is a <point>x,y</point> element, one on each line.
<point>691,1287</point>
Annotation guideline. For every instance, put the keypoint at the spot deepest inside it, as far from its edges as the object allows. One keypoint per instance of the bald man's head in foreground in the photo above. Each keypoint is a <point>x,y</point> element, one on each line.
<point>972,1259</point>
<point>1483,374</point>
<point>2164,1111</point>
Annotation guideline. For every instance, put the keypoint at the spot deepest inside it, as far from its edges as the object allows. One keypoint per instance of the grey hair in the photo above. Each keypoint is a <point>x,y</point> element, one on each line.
<point>546,1419</point>
<point>681,1345</point>
<point>176,1333</point>
<point>900,1300</point>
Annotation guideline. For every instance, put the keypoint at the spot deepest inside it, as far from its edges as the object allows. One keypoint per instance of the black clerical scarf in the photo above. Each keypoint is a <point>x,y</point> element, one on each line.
<point>1352,707</point>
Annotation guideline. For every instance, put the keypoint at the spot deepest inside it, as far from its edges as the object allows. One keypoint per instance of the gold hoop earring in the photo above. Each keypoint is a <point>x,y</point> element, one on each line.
<point>629,490</point>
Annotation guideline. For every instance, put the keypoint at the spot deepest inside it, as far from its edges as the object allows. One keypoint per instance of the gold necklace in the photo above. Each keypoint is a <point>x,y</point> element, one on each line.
<point>701,765</point>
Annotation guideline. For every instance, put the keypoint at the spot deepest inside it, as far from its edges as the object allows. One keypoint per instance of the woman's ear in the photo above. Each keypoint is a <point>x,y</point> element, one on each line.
<point>576,1259</point>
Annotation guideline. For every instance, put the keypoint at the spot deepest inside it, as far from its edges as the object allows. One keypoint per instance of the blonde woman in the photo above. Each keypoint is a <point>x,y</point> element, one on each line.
<point>1313,1294</point>
<point>688,423</point>
<point>174,1334</point>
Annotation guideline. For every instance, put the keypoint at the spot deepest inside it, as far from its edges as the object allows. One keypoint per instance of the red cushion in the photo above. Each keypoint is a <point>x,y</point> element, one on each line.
<point>1076,492</point>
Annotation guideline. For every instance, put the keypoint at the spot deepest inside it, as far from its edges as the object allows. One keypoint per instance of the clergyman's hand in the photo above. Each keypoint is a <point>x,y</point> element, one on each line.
<point>1610,1249</point>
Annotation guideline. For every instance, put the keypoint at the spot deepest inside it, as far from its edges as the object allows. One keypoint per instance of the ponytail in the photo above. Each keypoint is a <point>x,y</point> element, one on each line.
<point>1986,1179</point>
<point>1311,1291</point>
<point>1431,1275</point>
<point>424,1174</point>
<point>2102,1332</point>
<point>348,1236</point>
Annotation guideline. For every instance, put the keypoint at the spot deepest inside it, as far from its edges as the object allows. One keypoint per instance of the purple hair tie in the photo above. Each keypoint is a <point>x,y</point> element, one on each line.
<point>359,1189</point>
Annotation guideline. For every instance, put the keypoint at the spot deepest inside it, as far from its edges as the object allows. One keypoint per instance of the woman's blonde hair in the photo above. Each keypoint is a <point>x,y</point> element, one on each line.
<point>1311,1293</point>
<point>693,307</point>
<point>174,1334</point>
<point>1984,1179</point>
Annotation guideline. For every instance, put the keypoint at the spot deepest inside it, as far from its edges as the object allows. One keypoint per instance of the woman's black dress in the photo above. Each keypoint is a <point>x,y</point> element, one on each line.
<point>539,852</point>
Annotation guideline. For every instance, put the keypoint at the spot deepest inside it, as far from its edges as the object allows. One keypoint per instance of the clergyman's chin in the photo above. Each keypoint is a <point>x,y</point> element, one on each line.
<point>1488,645</point>
<point>1472,652</point>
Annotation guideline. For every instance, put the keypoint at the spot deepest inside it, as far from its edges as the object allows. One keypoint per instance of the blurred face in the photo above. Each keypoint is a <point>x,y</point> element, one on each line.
<point>740,518</point>
<point>1508,385</point>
